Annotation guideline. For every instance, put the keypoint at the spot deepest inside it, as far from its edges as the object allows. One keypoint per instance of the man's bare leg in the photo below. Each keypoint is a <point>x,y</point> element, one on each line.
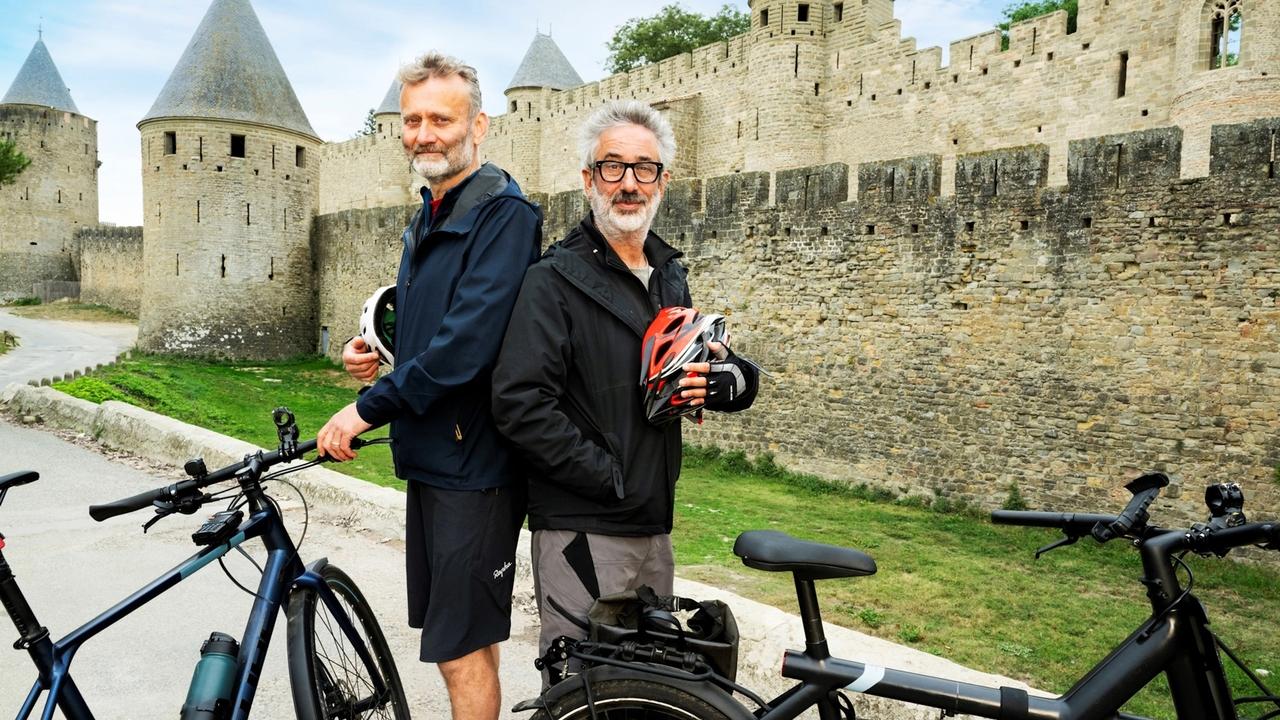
<point>472,680</point>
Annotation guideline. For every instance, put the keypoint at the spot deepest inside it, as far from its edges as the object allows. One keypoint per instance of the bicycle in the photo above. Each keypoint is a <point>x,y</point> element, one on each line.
<point>339,663</point>
<point>647,680</point>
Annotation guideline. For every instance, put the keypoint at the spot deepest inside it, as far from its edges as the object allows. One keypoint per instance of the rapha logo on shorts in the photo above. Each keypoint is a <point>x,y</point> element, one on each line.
<point>501,571</point>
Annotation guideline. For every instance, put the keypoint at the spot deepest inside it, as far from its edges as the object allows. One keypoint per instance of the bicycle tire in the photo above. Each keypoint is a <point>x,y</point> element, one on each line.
<point>327,677</point>
<point>631,699</point>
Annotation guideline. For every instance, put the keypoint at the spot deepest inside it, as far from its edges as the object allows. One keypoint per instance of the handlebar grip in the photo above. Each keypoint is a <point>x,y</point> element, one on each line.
<point>1034,518</point>
<point>127,505</point>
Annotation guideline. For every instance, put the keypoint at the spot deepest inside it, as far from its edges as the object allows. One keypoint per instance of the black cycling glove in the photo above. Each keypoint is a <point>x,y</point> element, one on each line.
<point>732,383</point>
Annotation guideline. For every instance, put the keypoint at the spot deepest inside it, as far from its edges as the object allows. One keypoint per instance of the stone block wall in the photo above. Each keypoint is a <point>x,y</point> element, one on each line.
<point>110,258</point>
<point>50,200</point>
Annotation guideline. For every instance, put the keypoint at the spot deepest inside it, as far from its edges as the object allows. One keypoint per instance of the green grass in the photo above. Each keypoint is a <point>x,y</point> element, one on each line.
<point>949,583</point>
<point>62,310</point>
<point>237,399</point>
<point>7,341</point>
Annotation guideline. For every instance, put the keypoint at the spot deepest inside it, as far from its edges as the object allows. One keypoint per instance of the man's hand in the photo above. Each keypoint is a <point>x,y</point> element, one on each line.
<point>360,361</point>
<point>696,386</point>
<point>334,439</point>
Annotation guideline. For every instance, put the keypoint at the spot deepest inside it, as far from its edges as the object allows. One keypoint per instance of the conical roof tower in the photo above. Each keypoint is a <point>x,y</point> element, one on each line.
<point>390,101</point>
<point>229,71</point>
<point>544,66</point>
<point>40,83</point>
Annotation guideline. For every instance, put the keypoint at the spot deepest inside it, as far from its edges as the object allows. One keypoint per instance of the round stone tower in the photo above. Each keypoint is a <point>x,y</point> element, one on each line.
<point>543,70</point>
<point>229,183</point>
<point>787,54</point>
<point>58,192</point>
<point>397,183</point>
<point>1228,70</point>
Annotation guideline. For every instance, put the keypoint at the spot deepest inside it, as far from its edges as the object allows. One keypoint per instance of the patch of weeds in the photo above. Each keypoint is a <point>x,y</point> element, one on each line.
<point>736,462</point>
<point>24,302</point>
<point>767,466</point>
<point>910,634</point>
<point>871,617</point>
<point>93,389</point>
<point>1014,500</point>
<point>1014,649</point>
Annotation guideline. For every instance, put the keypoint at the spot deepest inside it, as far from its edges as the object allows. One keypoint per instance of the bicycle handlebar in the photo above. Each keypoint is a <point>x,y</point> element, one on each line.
<point>1075,524</point>
<point>260,461</point>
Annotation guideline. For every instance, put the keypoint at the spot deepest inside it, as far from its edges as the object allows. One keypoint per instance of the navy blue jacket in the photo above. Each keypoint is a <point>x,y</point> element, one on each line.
<point>460,272</point>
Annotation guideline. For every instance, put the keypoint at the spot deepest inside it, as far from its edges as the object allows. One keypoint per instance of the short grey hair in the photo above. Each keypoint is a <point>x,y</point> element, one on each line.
<point>626,112</point>
<point>439,65</point>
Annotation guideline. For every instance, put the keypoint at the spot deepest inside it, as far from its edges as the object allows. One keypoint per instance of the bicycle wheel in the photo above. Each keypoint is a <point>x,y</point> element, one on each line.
<point>631,700</point>
<point>328,678</point>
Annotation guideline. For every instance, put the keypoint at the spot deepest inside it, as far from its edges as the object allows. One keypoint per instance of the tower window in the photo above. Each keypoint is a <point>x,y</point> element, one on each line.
<point>1123,80</point>
<point>802,12</point>
<point>515,105</point>
<point>838,11</point>
<point>171,143</point>
<point>237,146</point>
<point>1225,29</point>
<point>764,17</point>
<point>300,156</point>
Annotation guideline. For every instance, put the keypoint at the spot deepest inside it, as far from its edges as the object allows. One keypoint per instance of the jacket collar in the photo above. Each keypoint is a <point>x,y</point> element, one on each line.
<point>584,259</point>
<point>461,202</point>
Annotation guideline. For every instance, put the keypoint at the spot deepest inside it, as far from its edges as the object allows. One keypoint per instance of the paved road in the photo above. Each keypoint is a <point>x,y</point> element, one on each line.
<point>57,347</point>
<point>71,568</point>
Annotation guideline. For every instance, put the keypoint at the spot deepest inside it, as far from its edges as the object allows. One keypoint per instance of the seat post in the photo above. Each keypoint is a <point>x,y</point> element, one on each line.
<point>815,640</point>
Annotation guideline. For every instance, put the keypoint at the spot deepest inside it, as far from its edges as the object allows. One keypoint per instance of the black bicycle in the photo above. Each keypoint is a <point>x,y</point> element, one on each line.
<point>642,680</point>
<point>339,662</point>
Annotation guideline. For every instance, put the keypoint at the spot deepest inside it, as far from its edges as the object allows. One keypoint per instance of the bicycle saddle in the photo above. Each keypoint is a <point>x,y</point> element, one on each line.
<point>775,551</point>
<point>13,480</point>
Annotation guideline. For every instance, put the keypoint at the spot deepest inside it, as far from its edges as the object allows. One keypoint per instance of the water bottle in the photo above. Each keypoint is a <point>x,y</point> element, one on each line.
<point>209,697</point>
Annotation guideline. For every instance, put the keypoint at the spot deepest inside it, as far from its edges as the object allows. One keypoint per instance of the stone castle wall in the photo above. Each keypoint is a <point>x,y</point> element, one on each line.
<point>792,93</point>
<point>110,258</point>
<point>958,340</point>
<point>369,171</point>
<point>51,199</point>
<point>234,229</point>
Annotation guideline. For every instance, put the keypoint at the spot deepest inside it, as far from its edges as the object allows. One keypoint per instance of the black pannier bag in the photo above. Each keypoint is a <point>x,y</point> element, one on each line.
<point>643,617</point>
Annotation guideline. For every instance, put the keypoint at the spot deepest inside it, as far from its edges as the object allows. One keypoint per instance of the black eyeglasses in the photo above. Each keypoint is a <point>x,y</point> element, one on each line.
<point>644,172</point>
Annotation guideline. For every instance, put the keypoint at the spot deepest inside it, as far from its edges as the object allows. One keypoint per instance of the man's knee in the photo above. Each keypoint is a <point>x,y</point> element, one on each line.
<point>473,666</point>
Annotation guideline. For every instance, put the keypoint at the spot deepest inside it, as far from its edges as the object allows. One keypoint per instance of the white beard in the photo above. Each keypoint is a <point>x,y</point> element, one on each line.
<point>455,160</point>
<point>613,223</point>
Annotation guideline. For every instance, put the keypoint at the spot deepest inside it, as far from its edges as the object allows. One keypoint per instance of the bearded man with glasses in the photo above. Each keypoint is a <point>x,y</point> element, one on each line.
<point>566,390</point>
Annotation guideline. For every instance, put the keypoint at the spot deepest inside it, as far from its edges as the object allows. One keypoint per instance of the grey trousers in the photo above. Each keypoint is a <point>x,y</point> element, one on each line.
<point>574,569</point>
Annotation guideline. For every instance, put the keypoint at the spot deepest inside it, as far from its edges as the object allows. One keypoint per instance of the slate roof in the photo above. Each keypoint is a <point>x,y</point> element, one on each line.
<point>545,66</point>
<point>229,71</point>
<point>391,101</point>
<point>40,83</point>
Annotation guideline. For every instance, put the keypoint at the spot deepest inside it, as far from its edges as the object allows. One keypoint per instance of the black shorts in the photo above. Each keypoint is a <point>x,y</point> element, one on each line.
<point>460,561</point>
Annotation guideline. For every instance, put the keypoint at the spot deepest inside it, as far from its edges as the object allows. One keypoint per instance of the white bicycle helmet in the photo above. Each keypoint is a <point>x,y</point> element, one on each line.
<point>378,323</point>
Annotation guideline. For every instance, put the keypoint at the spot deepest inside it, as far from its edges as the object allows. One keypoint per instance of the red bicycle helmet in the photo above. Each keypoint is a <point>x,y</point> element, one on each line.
<point>676,337</point>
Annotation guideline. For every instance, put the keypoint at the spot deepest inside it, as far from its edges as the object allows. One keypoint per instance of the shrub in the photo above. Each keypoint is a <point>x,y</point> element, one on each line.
<point>1014,500</point>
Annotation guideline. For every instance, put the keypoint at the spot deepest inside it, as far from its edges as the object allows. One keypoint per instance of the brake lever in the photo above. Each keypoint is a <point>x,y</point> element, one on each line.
<point>187,505</point>
<point>1067,540</point>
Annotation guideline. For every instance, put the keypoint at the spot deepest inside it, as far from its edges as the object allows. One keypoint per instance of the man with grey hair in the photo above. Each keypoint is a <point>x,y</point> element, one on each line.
<point>602,492</point>
<point>465,254</point>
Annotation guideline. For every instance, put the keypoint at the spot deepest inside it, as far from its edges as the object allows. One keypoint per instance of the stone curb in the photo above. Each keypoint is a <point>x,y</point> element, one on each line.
<point>766,631</point>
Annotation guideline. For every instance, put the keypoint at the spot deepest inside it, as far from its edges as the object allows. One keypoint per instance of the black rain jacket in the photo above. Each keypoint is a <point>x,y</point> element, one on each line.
<point>459,276</point>
<point>566,389</point>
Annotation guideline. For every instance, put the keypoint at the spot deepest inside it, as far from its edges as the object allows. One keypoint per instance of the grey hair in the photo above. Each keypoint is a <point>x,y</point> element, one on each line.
<point>439,65</point>
<point>626,112</point>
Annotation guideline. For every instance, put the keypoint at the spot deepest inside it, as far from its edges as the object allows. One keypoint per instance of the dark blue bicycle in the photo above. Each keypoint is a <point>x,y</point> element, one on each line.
<point>339,662</point>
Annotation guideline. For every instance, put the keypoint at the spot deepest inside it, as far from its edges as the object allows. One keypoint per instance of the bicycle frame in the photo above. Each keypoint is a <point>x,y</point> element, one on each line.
<point>1175,640</point>
<point>282,574</point>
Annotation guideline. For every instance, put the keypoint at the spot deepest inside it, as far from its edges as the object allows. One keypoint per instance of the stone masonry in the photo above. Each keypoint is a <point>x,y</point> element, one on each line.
<point>1060,338</point>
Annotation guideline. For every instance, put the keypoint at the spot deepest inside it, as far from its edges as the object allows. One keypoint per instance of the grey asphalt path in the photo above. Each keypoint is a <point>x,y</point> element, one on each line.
<point>56,347</point>
<point>71,568</point>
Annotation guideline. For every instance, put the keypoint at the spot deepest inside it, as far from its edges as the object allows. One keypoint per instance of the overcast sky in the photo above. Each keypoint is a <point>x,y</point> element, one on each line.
<point>115,55</point>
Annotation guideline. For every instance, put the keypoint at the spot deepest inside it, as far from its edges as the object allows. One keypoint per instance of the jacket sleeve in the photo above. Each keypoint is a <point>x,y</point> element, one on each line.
<point>529,381</point>
<point>466,345</point>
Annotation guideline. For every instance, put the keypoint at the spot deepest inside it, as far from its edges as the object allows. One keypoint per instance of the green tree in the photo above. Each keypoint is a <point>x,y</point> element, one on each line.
<point>370,126</point>
<point>671,31</point>
<point>1027,9</point>
<point>12,162</point>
